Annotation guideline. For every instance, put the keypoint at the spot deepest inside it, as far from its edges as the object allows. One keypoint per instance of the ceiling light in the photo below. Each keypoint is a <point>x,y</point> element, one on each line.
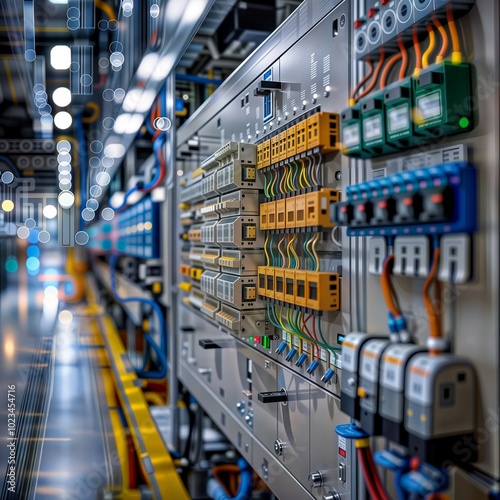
<point>63,120</point>
<point>49,211</point>
<point>66,199</point>
<point>60,57</point>
<point>61,97</point>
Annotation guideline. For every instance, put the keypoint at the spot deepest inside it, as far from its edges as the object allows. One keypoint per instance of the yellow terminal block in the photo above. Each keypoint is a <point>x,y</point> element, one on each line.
<point>301,287</point>
<point>301,133</point>
<point>249,292</point>
<point>291,145</point>
<point>282,146</point>
<point>194,234</point>
<point>249,173</point>
<point>184,206</point>
<point>290,212</point>
<point>270,282</point>
<point>261,287</point>
<point>318,207</point>
<point>300,210</point>
<point>279,284</point>
<point>275,149</point>
<point>281,214</point>
<point>197,173</point>
<point>323,132</point>
<point>185,287</point>
<point>323,291</point>
<point>271,215</point>
<point>263,216</point>
<point>249,232</point>
<point>290,289</point>
<point>266,153</point>
<point>156,288</point>
<point>260,156</point>
<point>196,273</point>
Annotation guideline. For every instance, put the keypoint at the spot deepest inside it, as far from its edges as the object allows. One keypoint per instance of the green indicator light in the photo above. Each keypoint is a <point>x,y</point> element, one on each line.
<point>464,122</point>
<point>250,339</point>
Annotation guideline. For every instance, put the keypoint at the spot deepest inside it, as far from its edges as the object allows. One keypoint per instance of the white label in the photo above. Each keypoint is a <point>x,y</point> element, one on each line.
<point>296,341</point>
<point>351,136</point>
<point>399,118</point>
<point>323,355</point>
<point>429,106</point>
<point>342,443</point>
<point>372,128</point>
<point>305,346</point>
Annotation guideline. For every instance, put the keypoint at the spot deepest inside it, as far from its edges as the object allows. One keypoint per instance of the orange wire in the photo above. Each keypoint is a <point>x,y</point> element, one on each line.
<point>432,45</point>
<point>444,37</point>
<point>455,40</point>
<point>376,74</point>
<point>390,63</point>
<point>364,80</point>
<point>418,51</point>
<point>404,55</point>
<point>387,290</point>
<point>434,324</point>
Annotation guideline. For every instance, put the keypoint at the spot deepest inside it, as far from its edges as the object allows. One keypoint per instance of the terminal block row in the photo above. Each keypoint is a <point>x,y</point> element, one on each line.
<point>318,291</point>
<point>434,200</point>
<point>311,210</point>
<point>320,130</point>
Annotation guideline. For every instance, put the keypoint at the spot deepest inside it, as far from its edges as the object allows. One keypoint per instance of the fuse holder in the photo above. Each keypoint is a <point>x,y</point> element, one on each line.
<point>318,207</point>
<point>291,144</point>
<point>281,214</point>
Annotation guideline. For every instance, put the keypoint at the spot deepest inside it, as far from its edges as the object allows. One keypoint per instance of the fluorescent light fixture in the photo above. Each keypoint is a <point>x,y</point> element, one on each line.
<point>60,57</point>
<point>63,120</point>
<point>147,66</point>
<point>115,150</point>
<point>59,2</point>
<point>147,99</point>
<point>121,124</point>
<point>61,97</point>
<point>131,100</point>
<point>135,123</point>
<point>163,68</point>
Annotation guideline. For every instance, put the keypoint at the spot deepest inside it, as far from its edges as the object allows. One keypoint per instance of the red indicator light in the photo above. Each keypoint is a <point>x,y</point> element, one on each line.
<point>382,204</point>
<point>361,208</point>
<point>342,452</point>
<point>437,198</point>
<point>408,201</point>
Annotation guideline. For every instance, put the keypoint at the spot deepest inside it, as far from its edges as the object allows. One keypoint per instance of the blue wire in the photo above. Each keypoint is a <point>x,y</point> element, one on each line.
<point>124,202</point>
<point>160,350</point>
<point>400,492</point>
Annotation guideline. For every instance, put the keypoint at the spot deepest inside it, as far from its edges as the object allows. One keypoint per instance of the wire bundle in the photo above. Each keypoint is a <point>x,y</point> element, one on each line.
<point>160,350</point>
<point>372,479</point>
<point>422,59</point>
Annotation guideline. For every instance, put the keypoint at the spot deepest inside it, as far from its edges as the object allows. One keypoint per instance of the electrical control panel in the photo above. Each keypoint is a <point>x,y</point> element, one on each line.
<point>135,231</point>
<point>335,224</point>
